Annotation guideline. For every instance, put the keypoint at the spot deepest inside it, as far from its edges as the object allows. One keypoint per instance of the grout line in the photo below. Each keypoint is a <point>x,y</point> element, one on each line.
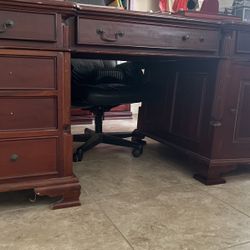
<point>240,244</point>
<point>226,203</point>
<point>25,208</point>
<point>109,219</point>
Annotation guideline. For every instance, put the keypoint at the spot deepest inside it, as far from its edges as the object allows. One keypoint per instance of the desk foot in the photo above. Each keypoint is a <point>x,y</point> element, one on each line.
<point>209,180</point>
<point>69,194</point>
<point>212,174</point>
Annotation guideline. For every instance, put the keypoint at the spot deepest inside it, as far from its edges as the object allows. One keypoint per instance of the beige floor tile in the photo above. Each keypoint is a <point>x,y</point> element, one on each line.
<point>152,200</point>
<point>243,246</point>
<point>127,174</point>
<point>177,217</point>
<point>81,228</point>
<point>235,191</point>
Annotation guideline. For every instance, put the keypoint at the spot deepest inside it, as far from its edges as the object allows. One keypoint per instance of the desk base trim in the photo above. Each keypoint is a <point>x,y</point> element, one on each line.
<point>68,189</point>
<point>208,171</point>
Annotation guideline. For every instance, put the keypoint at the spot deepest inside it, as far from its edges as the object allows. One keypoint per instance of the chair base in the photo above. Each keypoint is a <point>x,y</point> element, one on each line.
<point>92,138</point>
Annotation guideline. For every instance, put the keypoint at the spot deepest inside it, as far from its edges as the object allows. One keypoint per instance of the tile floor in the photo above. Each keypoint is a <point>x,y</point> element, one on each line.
<point>146,203</point>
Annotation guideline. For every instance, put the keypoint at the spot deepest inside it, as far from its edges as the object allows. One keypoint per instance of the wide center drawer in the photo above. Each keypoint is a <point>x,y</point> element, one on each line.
<point>29,157</point>
<point>28,113</point>
<point>99,32</point>
<point>31,26</point>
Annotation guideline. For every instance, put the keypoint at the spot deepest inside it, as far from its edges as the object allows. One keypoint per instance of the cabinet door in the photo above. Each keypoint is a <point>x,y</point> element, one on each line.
<point>191,107</point>
<point>188,105</point>
<point>232,138</point>
<point>181,111</point>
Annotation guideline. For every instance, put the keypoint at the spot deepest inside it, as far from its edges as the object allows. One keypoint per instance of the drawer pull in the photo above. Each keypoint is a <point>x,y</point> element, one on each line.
<point>6,25</point>
<point>186,37</point>
<point>202,39</point>
<point>14,157</point>
<point>233,110</point>
<point>215,123</point>
<point>105,38</point>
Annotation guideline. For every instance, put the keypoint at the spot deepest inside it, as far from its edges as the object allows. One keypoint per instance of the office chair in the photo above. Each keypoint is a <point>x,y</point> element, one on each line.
<point>99,85</point>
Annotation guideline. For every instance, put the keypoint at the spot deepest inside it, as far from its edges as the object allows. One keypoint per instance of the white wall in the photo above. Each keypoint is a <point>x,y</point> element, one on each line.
<point>225,3</point>
<point>145,5</point>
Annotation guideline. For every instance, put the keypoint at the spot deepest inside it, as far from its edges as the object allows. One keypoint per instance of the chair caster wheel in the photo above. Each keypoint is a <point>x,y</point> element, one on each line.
<point>78,155</point>
<point>136,152</point>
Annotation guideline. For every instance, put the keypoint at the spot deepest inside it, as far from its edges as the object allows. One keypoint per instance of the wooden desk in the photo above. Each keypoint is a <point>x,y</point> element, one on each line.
<point>200,69</point>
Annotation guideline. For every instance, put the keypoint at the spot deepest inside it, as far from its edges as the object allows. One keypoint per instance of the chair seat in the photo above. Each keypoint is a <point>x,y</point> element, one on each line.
<point>106,98</point>
<point>114,94</point>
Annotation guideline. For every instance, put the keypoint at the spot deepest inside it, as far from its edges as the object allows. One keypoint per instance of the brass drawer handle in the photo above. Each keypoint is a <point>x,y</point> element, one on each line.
<point>186,37</point>
<point>105,38</point>
<point>233,110</point>
<point>215,123</point>
<point>14,157</point>
<point>202,39</point>
<point>6,25</point>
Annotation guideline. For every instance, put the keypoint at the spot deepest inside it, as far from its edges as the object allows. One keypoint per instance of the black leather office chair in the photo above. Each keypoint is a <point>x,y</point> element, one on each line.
<point>100,85</point>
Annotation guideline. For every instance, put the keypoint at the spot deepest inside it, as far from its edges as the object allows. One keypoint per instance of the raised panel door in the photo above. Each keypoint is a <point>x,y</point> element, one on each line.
<point>188,105</point>
<point>180,112</point>
<point>232,138</point>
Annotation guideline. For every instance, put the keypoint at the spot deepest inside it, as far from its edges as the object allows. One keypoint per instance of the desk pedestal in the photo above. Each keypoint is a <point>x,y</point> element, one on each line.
<point>203,111</point>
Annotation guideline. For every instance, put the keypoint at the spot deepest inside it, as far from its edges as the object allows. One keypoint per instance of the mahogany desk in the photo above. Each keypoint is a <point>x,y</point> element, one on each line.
<point>200,69</point>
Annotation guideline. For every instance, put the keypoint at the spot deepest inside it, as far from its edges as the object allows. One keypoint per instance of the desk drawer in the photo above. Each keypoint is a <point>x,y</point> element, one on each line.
<point>28,26</point>
<point>27,72</point>
<point>28,113</point>
<point>98,32</point>
<point>243,42</point>
<point>29,157</point>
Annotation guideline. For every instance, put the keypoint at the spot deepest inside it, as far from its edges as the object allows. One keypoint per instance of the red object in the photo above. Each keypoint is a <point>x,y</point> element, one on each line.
<point>210,6</point>
<point>163,4</point>
<point>180,5</point>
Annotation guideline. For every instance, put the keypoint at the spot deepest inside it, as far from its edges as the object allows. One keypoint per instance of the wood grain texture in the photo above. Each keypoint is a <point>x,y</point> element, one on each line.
<point>35,138</point>
<point>140,35</point>
<point>199,70</point>
<point>28,157</point>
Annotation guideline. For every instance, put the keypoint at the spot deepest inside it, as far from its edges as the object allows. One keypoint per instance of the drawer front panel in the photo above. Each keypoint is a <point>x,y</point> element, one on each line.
<point>97,32</point>
<point>28,113</point>
<point>26,158</point>
<point>243,42</point>
<point>27,72</point>
<point>28,26</point>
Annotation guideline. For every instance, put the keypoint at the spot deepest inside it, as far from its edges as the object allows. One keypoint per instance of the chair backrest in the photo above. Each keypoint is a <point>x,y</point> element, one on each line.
<point>82,69</point>
<point>84,73</point>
